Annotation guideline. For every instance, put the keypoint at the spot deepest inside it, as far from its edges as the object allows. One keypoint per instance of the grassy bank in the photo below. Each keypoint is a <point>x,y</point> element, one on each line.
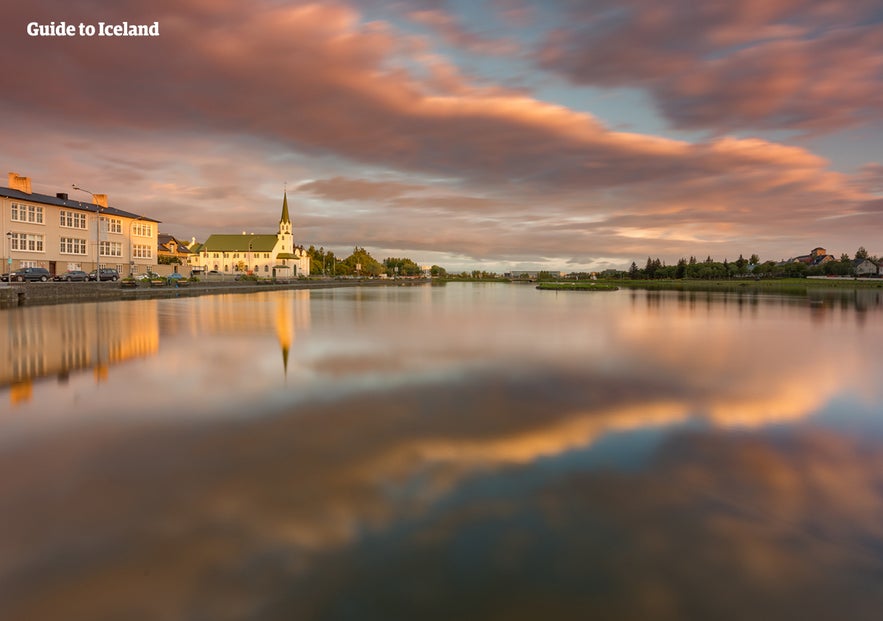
<point>770,285</point>
<point>577,286</point>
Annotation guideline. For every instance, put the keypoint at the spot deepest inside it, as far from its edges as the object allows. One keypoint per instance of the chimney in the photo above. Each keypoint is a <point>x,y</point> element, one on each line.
<point>100,200</point>
<point>17,182</point>
<point>61,195</point>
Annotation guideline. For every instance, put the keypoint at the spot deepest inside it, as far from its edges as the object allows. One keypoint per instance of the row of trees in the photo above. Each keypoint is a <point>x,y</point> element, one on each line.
<point>741,267</point>
<point>361,263</point>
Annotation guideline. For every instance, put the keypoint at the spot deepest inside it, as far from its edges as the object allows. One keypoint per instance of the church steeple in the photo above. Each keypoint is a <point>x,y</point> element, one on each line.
<point>285,219</point>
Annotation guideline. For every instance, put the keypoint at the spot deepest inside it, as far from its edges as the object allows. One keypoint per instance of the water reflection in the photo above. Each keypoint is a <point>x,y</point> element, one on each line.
<point>55,341</point>
<point>466,452</point>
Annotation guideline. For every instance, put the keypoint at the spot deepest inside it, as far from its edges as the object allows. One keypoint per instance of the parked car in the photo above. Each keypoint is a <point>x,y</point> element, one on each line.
<point>107,273</point>
<point>73,275</point>
<point>30,273</point>
<point>176,276</point>
<point>4,277</point>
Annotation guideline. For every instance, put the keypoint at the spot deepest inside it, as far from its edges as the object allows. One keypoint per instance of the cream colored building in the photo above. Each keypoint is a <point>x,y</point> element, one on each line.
<point>266,255</point>
<point>60,233</point>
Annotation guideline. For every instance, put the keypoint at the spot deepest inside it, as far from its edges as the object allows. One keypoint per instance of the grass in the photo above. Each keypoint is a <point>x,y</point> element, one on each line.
<point>796,285</point>
<point>576,286</point>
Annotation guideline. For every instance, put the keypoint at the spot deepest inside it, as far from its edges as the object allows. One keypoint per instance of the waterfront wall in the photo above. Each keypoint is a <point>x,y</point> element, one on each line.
<point>40,293</point>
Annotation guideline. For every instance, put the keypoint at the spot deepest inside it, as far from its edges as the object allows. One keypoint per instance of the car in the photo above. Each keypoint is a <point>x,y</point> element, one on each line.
<point>107,273</point>
<point>176,276</point>
<point>73,275</point>
<point>30,273</point>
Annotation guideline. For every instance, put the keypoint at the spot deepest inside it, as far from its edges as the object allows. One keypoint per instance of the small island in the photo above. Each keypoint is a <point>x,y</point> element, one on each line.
<point>576,286</point>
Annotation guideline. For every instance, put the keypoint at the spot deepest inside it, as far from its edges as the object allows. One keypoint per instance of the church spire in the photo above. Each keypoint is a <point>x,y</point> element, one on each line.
<point>285,219</point>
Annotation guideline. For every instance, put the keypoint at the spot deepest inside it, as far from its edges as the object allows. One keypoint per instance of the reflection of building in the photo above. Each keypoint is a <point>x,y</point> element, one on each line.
<point>59,340</point>
<point>59,233</point>
<point>263,255</point>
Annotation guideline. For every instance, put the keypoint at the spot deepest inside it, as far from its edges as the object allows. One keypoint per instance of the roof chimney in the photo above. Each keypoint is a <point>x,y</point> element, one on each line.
<point>17,182</point>
<point>100,200</point>
<point>61,195</point>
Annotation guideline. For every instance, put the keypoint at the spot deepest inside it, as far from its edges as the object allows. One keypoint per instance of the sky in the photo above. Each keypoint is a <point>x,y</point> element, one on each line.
<point>496,134</point>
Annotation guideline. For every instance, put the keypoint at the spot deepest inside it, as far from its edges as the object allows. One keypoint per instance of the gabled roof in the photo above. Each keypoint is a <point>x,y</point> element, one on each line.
<point>45,199</point>
<point>240,243</point>
<point>164,239</point>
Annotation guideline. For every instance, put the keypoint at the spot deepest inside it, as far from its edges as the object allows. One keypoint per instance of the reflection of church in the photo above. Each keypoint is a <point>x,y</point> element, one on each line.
<point>272,255</point>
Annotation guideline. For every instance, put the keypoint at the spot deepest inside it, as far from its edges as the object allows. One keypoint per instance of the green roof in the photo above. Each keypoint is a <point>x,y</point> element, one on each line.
<point>285,255</point>
<point>240,243</point>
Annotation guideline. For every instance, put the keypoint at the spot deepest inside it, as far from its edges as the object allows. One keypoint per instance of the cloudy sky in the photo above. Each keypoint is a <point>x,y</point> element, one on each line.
<point>506,133</point>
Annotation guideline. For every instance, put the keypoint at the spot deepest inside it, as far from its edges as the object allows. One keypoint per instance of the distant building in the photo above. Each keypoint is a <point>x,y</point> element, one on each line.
<point>264,255</point>
<point>817,256</point>
<point>865,267</point>
<point>531,274</point>
<point>170,250</point>
<point>60,233</point>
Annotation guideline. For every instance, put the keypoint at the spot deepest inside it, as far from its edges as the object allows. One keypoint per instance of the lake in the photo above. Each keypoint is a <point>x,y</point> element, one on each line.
<point>468,451</point>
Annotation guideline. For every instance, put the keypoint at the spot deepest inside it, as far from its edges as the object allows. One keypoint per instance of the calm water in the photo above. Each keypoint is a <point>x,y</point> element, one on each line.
<point>458,452</point>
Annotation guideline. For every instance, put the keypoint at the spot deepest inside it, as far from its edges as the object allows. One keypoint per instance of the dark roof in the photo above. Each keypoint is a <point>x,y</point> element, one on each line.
<point>45,199</point>
<point>239,243</point>
<point>164,239</point>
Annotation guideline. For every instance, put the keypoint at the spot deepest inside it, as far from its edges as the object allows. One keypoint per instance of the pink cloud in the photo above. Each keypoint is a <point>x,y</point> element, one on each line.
<point>799,64</point>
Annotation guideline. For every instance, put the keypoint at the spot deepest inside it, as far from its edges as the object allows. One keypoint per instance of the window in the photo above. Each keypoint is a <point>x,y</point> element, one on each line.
<point>140,251</point>
<point>73,245</point>
<point>111,225</point>
<point>26,242</point>
<point>266,255</point>
<point>215,256</point>
<point>74,266</point>
<point>266,268</point>
<point>72,219</point>
<point>26,213</point>
<point>111,249</point>
<point>142,229</point>
<point>235,255</point>
<point>30,264</point>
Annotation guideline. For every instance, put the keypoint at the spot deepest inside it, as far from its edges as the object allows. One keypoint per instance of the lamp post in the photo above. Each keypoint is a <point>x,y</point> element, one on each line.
<point>248,256</point>
<point>8,252</point>
<point>97,232</point>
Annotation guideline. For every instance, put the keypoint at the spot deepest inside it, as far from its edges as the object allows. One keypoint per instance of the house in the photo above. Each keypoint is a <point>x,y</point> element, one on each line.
<point>170,250</point>
<point>865,267</point>
<point>816,256</point>
<point>272,254</point>
<point>59,233</point>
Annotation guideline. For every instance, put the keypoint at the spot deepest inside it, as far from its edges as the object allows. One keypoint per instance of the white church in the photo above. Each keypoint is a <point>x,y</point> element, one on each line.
<point>265,255</point>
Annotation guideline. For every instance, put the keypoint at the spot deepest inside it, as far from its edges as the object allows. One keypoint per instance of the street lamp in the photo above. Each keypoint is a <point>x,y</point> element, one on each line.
<point>9,251</point>
<point>97,232</point>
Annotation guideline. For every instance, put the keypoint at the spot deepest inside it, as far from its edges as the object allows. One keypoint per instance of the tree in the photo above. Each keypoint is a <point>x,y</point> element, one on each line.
<point>681,270</point>
<point>861,253</point>
<point>633,271</point>
<point>753,260</point>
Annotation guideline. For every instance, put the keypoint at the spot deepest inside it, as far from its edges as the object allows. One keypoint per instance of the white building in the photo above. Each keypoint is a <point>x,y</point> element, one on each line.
<point>58,233</point>
<point>271,255</point>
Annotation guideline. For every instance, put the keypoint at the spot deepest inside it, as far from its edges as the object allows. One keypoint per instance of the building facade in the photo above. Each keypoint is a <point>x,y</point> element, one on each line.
<point>61,234</point>
<point>267,255</point>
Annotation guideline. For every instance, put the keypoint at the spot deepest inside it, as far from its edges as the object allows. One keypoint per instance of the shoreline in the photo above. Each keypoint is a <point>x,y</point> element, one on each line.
<point>13,295</point>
